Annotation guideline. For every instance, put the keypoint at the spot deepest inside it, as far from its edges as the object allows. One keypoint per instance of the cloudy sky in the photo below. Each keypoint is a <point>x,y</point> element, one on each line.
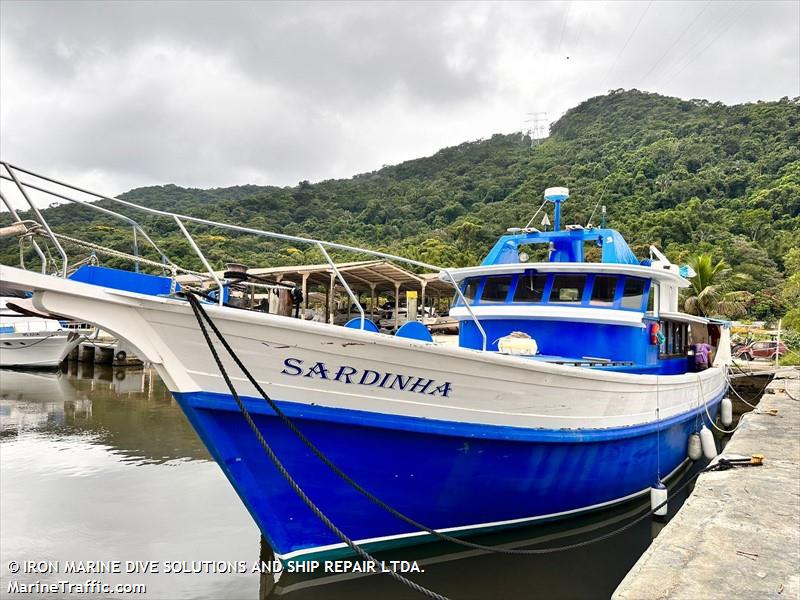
<point>115,95</point>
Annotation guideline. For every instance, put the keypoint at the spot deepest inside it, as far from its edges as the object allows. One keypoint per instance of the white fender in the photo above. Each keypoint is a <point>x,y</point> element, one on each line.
<point>658,494</point>
<point>708,444</point>
<point>695,450</point>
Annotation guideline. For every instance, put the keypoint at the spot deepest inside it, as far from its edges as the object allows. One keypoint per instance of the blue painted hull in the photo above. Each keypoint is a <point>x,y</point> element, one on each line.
<point>445,475</point>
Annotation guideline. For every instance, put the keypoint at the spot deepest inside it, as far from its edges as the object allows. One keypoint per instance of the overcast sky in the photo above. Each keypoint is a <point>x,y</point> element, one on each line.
<point>115,95</point>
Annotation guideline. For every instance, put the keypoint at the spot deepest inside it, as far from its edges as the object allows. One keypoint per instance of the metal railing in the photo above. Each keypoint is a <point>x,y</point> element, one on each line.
<point>180,220</point>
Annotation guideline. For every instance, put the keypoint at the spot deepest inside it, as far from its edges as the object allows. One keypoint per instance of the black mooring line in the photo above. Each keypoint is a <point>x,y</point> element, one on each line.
<point>198,310</point>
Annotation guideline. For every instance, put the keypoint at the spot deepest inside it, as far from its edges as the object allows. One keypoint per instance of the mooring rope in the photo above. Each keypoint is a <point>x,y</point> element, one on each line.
<point>757,394</point>
<point>200,315</point>
<point>198,311</point>
<point>731,388</point>
<point>708,414</point>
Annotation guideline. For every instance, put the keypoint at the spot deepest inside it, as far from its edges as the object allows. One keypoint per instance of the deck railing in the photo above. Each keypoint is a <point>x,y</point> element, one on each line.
<point>24,186</point>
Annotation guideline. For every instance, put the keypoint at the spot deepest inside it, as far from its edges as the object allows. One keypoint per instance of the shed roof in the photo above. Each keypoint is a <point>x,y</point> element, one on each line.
<point>360,276</point>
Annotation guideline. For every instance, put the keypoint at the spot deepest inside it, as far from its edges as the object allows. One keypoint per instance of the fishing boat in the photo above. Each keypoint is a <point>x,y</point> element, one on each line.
<point>572,387</point>
<point>32,342</point>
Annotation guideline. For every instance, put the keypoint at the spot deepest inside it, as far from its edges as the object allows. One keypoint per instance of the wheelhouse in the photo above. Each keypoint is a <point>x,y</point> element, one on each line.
<point>617,314</point>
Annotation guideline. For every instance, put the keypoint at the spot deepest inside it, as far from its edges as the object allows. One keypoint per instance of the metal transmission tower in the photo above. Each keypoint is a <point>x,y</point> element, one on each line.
<point>538,127</point>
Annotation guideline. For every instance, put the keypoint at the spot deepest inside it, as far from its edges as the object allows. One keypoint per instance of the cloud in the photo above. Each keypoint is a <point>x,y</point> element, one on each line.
<point>210,94</point>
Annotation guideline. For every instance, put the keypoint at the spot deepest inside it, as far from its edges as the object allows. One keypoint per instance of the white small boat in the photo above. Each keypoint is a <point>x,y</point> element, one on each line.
<point>32,341</point>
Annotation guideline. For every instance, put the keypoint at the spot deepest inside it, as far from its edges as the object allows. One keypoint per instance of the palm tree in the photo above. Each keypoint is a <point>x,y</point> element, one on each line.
<point>707,295</point>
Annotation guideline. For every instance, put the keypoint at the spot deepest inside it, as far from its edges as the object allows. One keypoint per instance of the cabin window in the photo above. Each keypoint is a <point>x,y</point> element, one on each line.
<point>469,288</point>
<point>530,288</point>
<point>676,339</point>
<point>567,288</point>
<point>633,293</point>
<point>496,289</point>
<point>603,290</point>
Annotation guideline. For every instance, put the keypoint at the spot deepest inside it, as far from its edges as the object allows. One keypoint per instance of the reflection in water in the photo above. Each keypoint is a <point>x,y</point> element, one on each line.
<point>100,464</point>
<point>591,571</point>
<point>128,410</point>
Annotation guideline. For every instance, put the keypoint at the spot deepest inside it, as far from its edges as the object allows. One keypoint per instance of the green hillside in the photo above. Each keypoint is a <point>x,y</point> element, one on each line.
<point>687,175</point>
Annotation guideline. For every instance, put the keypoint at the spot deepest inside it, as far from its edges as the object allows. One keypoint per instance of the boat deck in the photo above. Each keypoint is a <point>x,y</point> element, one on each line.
<point>584,361</point>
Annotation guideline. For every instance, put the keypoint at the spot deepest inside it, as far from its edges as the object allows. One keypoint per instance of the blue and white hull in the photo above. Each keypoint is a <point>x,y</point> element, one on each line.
<point>453,477</point>
<point>458,439</point>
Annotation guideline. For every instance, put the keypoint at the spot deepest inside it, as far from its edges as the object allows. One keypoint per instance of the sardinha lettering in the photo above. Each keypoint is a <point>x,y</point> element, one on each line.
<point>296,367</point>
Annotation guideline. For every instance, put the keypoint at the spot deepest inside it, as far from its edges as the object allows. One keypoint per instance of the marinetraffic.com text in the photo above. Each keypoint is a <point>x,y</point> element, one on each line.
<point>209,567</point>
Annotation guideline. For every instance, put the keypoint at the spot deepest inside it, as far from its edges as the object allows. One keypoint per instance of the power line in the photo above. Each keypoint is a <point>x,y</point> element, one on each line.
<point>563,28</point>
<point>690,49</point>
<point>696,55</point>
<point>577,38</point>
<point>536,136</point>
<point>677,40</point>
<point>613,67</point>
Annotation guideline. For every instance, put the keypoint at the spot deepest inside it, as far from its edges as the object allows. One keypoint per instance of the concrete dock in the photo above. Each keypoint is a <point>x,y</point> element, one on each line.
<point>738,534</point>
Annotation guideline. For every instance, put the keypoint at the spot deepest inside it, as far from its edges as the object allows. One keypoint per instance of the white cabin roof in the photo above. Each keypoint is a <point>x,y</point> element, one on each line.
<point>659,275</point>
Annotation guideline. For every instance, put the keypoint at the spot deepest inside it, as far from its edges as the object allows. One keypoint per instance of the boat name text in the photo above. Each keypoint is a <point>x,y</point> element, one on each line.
<point>296,367</point>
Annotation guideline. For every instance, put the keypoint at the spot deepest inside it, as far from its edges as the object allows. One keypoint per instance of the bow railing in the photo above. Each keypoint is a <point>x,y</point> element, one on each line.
<point>12,174</point>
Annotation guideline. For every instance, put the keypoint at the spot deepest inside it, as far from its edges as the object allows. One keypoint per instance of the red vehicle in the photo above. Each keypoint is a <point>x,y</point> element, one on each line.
<point>763,349</point>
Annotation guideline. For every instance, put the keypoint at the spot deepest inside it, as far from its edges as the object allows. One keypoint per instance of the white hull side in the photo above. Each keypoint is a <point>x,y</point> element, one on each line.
<point>45,350</point>
<point>486,388</point>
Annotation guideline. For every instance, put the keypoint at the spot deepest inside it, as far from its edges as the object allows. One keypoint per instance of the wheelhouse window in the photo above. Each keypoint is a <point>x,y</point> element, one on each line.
<point>633,293</point>
<point>530,288</point>
<point>676,339</point>
<point>567,288</point>
<point>469,288</point>
<point>603,290</point>
<point>496,289</point>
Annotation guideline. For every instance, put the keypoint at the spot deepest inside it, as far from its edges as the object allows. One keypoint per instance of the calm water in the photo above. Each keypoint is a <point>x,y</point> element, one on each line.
<point>100,464</point>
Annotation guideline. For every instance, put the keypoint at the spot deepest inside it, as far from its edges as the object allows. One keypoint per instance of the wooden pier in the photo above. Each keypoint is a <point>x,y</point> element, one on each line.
<point>115,353</point>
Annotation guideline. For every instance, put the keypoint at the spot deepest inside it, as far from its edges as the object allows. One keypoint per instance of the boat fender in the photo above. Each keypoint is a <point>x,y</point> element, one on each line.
<point>708,444</point>
<point>726,412</point>
<point>658,494</point>
<point>695,448</point>
<point>655,329</point>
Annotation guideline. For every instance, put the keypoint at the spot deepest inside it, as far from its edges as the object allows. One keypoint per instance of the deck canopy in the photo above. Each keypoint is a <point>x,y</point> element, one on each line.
<point>368,279</point>
<point>361,276</point>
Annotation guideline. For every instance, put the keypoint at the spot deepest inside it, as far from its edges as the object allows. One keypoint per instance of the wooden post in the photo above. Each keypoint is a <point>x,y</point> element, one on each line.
<point>396,306</point>
<point>372,302</point>
<point>331,300</point>
<point>327,304</point>
<point>305,290</point>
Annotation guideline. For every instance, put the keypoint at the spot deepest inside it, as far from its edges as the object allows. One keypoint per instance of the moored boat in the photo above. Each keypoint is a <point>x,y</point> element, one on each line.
<point>32,342</point>
<point>572,388</point>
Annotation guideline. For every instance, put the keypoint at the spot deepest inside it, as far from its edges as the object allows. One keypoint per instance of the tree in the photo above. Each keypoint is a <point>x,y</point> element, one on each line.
<point>707,296</point>
<point>767,305</point>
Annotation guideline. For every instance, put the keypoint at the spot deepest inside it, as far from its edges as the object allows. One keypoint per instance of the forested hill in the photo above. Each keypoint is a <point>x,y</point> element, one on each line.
<point>687,175</point>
